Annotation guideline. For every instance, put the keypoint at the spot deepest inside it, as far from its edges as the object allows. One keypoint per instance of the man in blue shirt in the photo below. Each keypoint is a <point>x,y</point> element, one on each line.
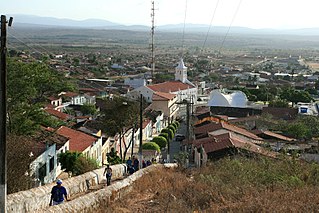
<point>58,193</point>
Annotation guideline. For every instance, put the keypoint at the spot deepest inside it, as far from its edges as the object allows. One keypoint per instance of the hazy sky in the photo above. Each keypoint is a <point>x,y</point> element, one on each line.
<point>251,13</point>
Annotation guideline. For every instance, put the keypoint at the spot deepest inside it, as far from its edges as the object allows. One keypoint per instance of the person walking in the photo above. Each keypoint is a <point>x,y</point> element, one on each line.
<point>136,164</point>
<point>108,172</point>
<point>128,165</point>
<point>58,193</point>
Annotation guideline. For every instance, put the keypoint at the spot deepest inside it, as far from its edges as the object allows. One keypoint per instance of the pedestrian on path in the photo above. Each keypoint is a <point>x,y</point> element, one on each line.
<point>108,172</point>
<point>136,164</point>
<point>58,193</point>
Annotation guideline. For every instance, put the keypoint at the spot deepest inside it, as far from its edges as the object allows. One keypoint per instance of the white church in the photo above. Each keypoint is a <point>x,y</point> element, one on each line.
<point>181,87</point>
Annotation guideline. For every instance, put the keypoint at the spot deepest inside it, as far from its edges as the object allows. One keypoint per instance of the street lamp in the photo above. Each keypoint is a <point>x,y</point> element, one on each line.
<point>140,150</point>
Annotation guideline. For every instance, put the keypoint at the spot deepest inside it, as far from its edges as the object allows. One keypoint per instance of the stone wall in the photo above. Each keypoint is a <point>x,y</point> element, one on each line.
<point>38,198</point>
<point>94,201</point>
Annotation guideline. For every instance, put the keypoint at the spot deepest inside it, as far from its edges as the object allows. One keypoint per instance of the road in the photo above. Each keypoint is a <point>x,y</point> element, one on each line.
<point>174,146</point>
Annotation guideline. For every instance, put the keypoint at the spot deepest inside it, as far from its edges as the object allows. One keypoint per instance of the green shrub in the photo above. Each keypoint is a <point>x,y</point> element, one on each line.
<point>177,124</point>
<point>76,163</point>
<point>169,132</point>
<point>172,127</point>
<point>174,124</point>
<point>160,141</point>
<point>165,135</point>
<point>151,146</point>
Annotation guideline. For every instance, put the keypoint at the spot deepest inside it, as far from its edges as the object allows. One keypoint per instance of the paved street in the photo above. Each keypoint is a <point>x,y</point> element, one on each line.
<point>175,145</point>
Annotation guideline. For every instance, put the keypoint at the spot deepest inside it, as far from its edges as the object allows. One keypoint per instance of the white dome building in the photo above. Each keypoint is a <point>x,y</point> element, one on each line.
<point>235,99</point>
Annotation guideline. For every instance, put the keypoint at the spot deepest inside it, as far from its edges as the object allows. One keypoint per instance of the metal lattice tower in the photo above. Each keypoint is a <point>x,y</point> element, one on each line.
<point>152,39</point>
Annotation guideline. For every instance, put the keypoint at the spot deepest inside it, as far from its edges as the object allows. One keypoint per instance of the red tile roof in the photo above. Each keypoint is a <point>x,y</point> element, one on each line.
<point>273,134</point>
<point>170,86</point>
<point>79,141</point>
<point>52,98</point>
<point>70,94</point>
<point>145,123</point>
<point>228,140</point>
<point>163,96</point>
<point>60,115</point>
<point>224,125</point>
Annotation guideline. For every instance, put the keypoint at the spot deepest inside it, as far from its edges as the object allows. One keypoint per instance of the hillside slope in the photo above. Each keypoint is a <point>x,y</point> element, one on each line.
<point>229,185</point>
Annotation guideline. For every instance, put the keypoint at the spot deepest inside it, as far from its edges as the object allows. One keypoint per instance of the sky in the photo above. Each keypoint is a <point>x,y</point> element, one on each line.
<point>257,14</point>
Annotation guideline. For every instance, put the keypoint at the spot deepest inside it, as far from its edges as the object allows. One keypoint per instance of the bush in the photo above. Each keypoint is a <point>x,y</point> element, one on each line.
<point>160,141</point>
<point>112,157</point>
<point>76,163</point>
<point>172,127</point>
<point>151,146</point>
<point>169,132</point>
<point>177,124</point>
<point>165,135</point>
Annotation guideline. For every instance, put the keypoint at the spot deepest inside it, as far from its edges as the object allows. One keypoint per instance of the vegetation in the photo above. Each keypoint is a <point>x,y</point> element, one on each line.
<point>228,185</point>
<point>165,135</point>
<point>151,146</point>
<point>28,86</point>
<point>112,157</point>
<point>76,163</point>
<point>160,141</point>
<point>169,132</point>
<point>118,116</point>
<point>88,109</point>
<point>172,127</point>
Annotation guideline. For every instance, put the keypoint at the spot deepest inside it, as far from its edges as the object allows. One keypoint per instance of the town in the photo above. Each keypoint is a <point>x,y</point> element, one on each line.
<point>75,106</point>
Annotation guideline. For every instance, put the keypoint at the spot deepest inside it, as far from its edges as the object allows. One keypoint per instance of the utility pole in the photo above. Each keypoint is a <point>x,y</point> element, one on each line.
<point>140,152</point>
<point>152,41</point>
<point>3,115</point>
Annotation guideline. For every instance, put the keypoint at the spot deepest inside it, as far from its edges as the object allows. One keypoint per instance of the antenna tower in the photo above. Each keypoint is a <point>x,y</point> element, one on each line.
<point>152,41</point>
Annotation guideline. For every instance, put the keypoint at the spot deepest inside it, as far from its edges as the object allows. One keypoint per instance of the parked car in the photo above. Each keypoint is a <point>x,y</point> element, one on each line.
<point>179,137</point>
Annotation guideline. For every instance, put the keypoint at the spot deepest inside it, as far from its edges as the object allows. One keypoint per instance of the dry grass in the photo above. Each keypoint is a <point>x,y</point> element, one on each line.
<point>230,185</point>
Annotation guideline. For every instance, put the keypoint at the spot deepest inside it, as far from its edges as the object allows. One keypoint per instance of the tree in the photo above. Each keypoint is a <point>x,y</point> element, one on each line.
<point>169,132</point>
<point>118,116</point>
<point>28,86</point>
<point>76,163</point>
<point>112,157</point>
<point>278,103</point>
<point>172,127</point>
<point>88,109</point>
<point>160,141</point>
<point>18,164</point>
<point>151,146</point>
<point>165,135</point>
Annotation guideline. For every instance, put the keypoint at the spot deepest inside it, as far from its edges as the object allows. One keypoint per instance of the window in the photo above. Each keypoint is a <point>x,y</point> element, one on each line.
<point>42,172</point>
<point>51,164</point>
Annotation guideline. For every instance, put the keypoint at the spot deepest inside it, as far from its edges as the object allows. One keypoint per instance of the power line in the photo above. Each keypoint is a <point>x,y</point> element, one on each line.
<point>231,23</point>
<point>210,25</point>
<point>183,38</point>
<point>33,43</point>
<point>26,44</point>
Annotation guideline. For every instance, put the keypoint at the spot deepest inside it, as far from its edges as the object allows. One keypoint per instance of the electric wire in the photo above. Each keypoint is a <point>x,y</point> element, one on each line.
<point>183,37</point>
<point>231,23</point>
<point>33,43</point>
<point>32,48</point>
<point>210,24</point>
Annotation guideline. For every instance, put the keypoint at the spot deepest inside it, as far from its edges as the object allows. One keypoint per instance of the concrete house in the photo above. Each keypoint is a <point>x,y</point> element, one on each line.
<point>90,146</point>
<point>166,103</point>
<point>181,87</point>
<point>45,167</point>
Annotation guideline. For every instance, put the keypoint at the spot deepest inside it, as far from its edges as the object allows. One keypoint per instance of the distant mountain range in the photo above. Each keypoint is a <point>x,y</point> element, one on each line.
<point>49,22</point>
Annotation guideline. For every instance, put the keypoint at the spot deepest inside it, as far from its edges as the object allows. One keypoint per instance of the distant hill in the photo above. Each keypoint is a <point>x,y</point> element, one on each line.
<point>37,21</point>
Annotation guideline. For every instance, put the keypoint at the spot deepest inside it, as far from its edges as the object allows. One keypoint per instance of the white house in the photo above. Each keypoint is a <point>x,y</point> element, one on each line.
<point>90,146</point>
<point>181,87</point>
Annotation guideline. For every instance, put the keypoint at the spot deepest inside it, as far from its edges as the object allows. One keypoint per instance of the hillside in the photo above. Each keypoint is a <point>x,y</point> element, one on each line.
<point>229,185</point>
